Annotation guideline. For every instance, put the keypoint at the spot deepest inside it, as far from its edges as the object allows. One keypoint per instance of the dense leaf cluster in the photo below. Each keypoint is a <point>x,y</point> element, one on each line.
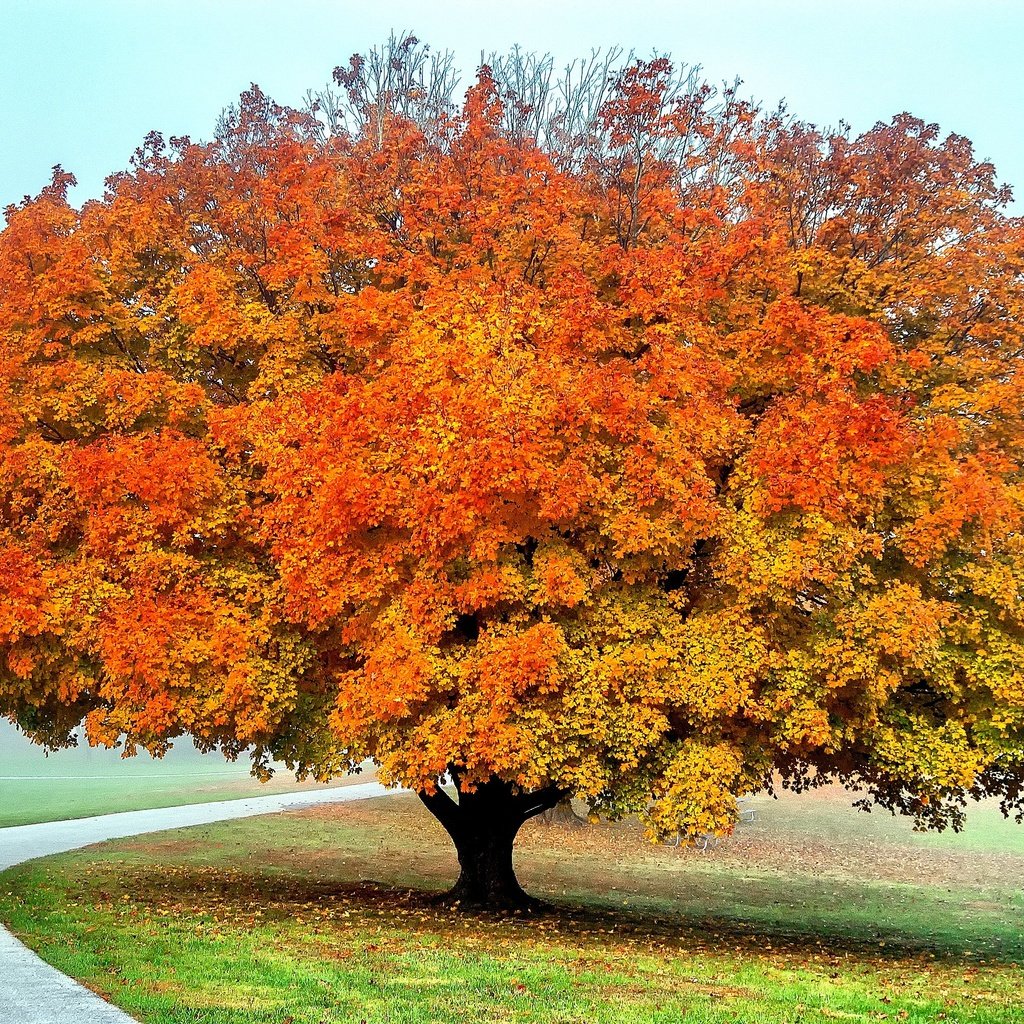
<point>605,436</point>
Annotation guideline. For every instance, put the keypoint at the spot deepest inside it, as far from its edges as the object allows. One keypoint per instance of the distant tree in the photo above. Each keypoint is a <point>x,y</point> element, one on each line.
<point>601,437</point>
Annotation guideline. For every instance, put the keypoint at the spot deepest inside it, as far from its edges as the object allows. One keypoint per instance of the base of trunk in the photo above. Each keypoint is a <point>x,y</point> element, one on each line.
<point>521,904</point>
<point>487,878</point>
<point>563,814</point>
<point>483,825</point>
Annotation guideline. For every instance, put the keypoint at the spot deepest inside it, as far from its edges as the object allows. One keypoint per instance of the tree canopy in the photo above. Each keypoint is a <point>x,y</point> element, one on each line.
<point>603,436</point>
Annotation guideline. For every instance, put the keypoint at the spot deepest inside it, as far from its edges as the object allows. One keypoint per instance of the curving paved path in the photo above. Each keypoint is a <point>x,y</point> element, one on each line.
<point>33,992</point>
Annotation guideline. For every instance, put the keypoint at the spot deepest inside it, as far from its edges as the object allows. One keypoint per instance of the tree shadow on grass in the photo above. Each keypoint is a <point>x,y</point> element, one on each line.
<point>281,897</point>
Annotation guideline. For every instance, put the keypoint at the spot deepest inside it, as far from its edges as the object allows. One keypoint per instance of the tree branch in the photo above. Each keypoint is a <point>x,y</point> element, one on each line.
<point>539,801</point>
<point>442,807</point>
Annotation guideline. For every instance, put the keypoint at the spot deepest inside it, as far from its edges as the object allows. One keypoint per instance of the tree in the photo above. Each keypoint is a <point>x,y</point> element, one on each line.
<point>612,440</point>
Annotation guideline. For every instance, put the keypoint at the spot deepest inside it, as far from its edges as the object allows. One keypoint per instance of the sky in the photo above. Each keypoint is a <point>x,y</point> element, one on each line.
<point>82,81</point>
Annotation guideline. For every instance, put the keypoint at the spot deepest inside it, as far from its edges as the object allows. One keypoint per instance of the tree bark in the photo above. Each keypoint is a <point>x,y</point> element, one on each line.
<point>487,877</point>
<point>483,825</point>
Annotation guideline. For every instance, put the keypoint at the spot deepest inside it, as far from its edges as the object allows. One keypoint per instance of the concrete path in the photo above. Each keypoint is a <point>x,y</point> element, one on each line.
<point>33,992</point>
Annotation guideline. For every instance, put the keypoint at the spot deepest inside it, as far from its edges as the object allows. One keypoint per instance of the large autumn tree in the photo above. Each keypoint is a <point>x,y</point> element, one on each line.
<point>617,440</point>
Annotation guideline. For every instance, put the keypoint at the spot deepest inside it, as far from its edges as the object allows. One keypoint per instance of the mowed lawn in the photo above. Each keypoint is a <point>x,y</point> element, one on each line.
<point>83,781</point>
<point>814,913</point>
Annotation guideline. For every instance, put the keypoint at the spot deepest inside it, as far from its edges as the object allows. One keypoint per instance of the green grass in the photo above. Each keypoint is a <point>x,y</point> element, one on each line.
<point>83,781</point>
<point>811,818</point>
<point>322,917</point>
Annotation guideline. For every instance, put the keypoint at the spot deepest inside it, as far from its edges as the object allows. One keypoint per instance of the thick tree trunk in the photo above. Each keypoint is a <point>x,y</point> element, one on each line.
<point>486,875</point>
<point>483,825</point>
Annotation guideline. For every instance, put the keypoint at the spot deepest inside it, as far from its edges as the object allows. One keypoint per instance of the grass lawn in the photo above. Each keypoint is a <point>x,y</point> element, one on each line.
<point>83,781</point>
<point>813,913</point>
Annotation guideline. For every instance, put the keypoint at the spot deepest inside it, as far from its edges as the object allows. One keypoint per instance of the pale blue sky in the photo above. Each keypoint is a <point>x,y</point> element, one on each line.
<point>82,82</point>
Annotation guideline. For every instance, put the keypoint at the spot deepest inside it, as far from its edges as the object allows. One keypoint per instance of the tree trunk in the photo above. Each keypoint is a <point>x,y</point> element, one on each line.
<point>486,875</point>
<point>483,825</point>
<point>563,814</point>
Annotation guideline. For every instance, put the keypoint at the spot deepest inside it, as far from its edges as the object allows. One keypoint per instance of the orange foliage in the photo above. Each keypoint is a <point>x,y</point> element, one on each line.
<point>636,466</point>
